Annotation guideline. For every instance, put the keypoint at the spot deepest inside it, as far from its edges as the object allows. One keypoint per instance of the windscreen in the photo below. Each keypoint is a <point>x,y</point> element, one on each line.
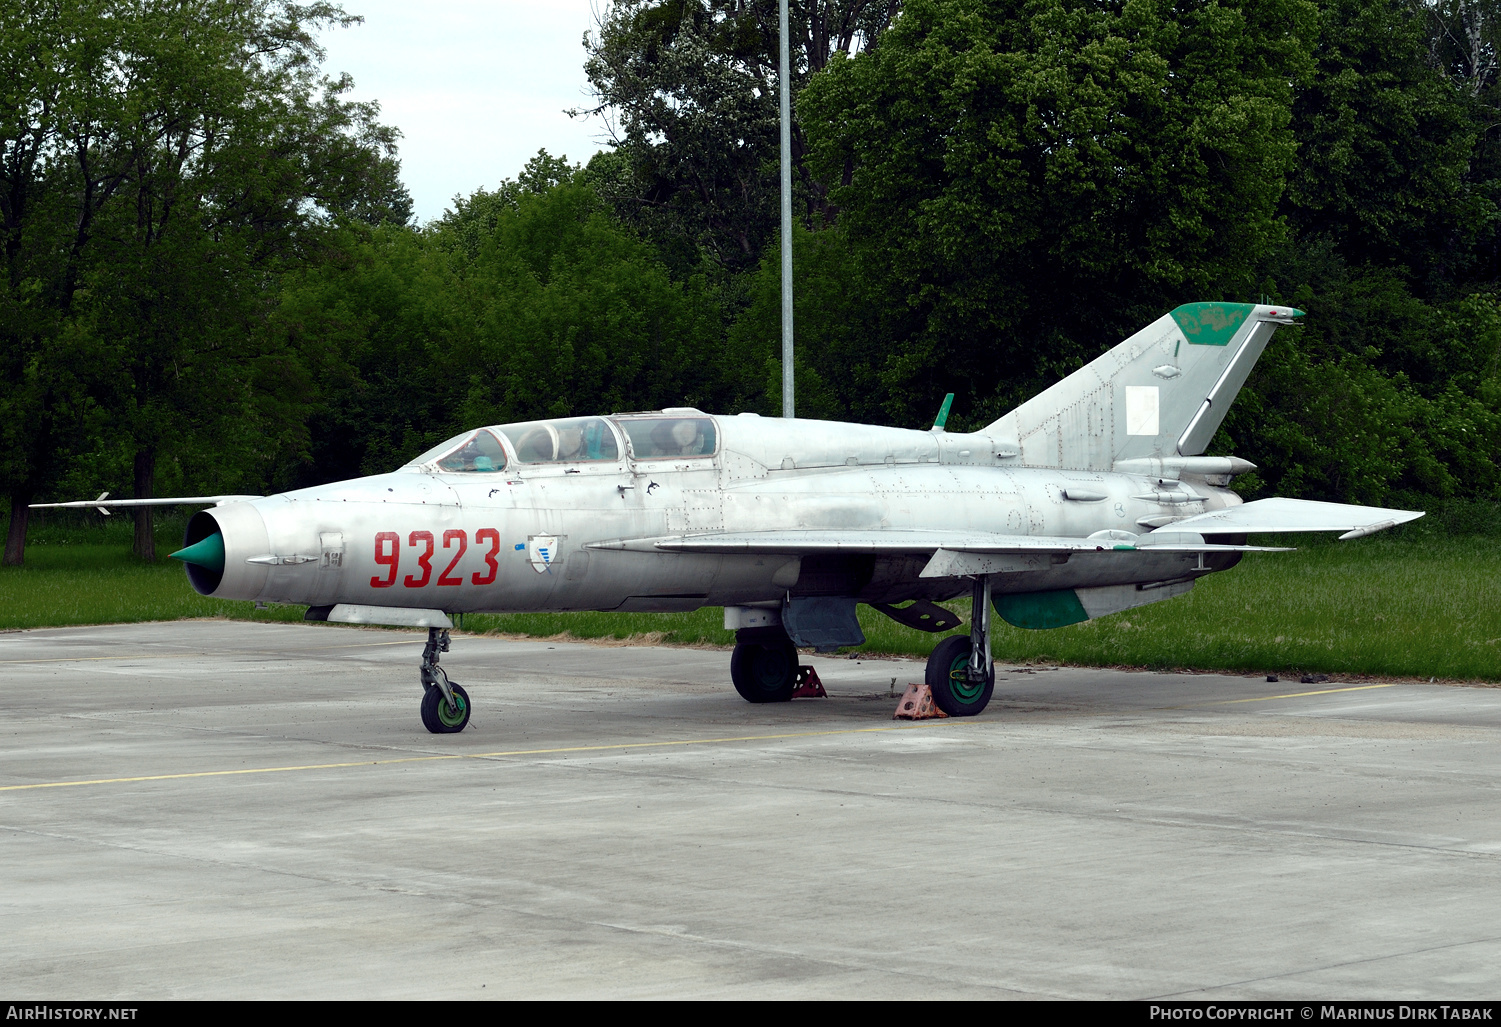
<point>481,454</point>
<point>473,452</point>
<point>428,456</point>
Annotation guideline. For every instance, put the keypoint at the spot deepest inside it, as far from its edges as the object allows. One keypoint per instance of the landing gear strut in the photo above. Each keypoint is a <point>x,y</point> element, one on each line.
<point>445,705</point>
<point>960,672</point>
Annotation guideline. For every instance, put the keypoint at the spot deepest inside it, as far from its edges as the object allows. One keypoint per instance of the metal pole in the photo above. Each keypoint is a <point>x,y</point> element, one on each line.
<point>787,405</point>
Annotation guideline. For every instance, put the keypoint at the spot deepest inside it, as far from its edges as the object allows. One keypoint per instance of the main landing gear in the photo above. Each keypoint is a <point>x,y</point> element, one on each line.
<point>445,705</point>
<point>764,665</point>
<point>960,672</point>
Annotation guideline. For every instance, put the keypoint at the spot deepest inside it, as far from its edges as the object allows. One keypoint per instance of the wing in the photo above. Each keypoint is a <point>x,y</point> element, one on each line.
<point>908,540</point>
<point>1277,515</point>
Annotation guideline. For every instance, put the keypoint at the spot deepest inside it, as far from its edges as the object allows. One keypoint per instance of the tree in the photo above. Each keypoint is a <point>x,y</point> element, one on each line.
<point>161,161</point>
<point>1387,148</point>
<point>838,326</point>
<point>691,86</point>
<point>529,301</point>
<point>1032,180</point>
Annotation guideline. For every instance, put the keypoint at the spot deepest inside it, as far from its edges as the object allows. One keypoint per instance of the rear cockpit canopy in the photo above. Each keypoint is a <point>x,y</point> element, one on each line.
<point>669,435</point>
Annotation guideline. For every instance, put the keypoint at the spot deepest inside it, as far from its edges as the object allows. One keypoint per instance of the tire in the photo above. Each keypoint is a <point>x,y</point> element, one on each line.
<point>435,715</point>
<point>953,692</point>
<point>765,669</point>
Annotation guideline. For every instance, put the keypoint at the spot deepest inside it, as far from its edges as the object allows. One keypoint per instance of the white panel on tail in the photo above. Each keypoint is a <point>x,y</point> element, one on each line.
<point>1141,409</point>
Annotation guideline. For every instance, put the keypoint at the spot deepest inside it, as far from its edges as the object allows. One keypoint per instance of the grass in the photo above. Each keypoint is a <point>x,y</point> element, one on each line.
<point>1412,603</point>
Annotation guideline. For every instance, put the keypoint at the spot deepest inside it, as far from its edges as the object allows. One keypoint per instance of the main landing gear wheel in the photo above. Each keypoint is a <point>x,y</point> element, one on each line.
<point>441,718</point>
<point>961,674</point>
<point>954,692</point>
<point>764,665</point>
<point>445,705</point>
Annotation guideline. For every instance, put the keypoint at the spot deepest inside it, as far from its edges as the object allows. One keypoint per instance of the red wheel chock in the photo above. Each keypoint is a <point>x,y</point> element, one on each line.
<point>808,685</point>
<point>917,704</point>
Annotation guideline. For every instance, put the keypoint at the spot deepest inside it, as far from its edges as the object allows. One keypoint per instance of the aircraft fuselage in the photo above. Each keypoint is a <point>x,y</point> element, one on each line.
<point>565,535</point>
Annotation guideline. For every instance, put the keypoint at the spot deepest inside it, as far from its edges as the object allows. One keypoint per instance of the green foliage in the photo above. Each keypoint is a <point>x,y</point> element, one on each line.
<point>211,282</point>
<point>531,301</point>
<point>692,88</point>
<point>1380,397</point>
<point>836,321</point>
<point>159,164</point>
<point>580,316</point>
<point>1386,147</point>
<point>1034,180</point>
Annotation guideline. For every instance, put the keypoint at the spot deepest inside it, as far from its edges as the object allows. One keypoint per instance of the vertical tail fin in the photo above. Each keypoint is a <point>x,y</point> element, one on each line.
<point>1161,393</point>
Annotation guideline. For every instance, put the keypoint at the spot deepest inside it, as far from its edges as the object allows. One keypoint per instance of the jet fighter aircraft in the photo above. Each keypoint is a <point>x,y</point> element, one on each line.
<point>1091,498</point>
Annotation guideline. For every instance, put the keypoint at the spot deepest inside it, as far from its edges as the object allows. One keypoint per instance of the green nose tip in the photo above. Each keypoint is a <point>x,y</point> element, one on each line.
<point>208,554</point>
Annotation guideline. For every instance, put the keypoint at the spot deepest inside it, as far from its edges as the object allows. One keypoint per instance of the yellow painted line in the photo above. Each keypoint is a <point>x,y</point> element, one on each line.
<point>458,756</point>
<point>216,652</point>
<point>1299,695</point>
<point>1289,695</point>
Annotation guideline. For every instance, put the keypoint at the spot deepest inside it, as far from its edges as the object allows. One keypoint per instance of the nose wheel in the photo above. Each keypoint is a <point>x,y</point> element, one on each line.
<point>445,704</point>
<point>439,716</point>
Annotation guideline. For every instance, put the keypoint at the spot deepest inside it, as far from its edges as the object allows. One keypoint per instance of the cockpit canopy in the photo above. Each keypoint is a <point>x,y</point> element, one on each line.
<point>571,439</point>
<point>657,437</point>
<point>651,436</point>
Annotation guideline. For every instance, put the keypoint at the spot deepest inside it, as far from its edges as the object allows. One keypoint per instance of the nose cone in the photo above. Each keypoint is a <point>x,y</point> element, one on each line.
<point>207,553</point>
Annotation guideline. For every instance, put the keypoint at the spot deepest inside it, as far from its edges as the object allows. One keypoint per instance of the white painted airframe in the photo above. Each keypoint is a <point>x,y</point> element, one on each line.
<point>1092,498</point>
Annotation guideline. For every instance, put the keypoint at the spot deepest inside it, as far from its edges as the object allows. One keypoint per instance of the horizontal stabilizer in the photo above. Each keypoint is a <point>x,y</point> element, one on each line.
<point>1287,515</point>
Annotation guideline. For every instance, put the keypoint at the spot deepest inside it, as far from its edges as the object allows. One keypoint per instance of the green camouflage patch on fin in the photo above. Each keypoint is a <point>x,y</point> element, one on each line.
<point>1211,324</point>
<point>1040,610</point>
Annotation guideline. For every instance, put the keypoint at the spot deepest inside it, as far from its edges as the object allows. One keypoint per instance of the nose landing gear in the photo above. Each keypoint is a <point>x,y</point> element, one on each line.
<point>445,705</point>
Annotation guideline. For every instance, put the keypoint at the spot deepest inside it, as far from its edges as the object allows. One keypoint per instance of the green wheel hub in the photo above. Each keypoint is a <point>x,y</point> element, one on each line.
<point>771,668</point>
<point>965,690</point>
<point>453,716</point>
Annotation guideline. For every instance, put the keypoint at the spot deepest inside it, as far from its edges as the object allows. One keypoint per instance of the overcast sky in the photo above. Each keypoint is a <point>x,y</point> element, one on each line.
<point>475,87</point>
